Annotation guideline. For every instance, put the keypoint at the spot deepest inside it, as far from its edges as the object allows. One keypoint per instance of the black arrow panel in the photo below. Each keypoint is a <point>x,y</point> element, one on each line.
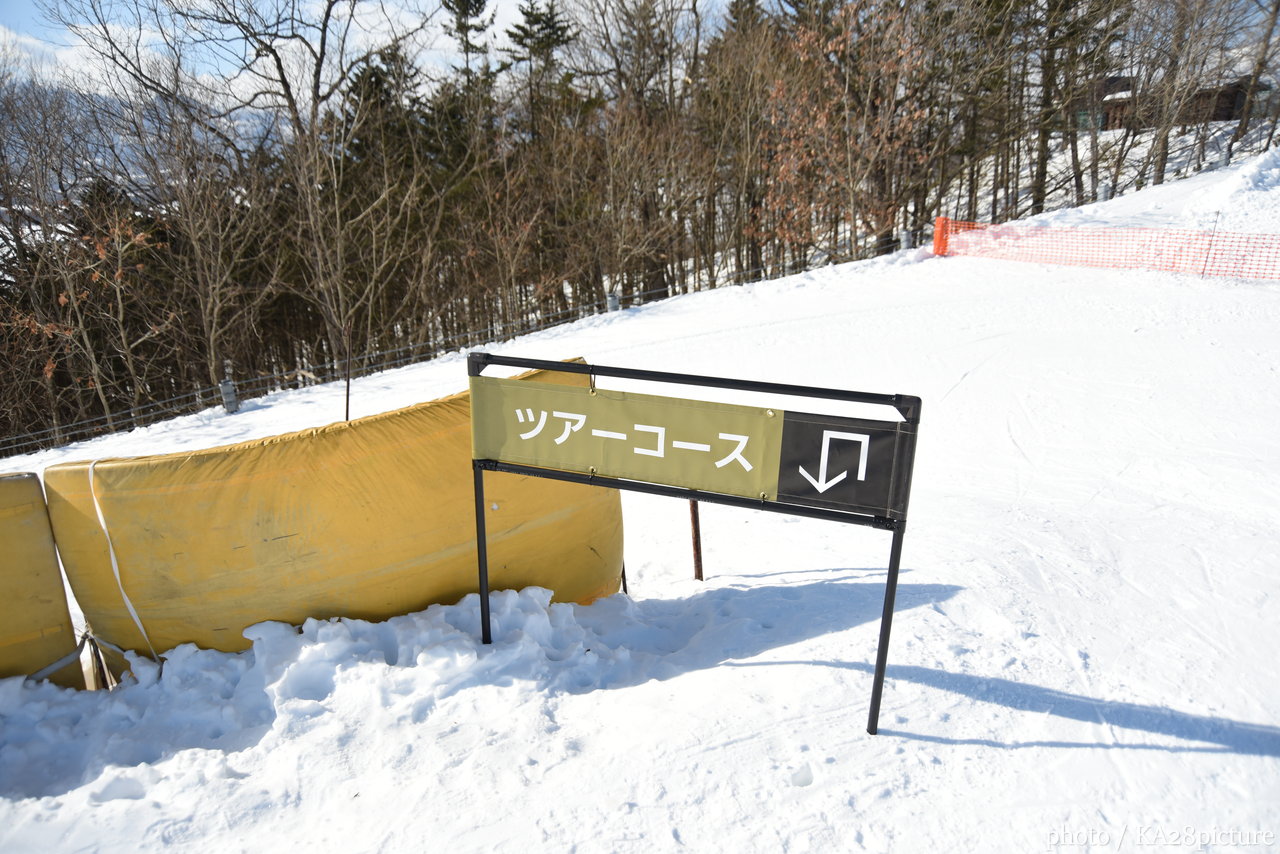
<point>878,484</point>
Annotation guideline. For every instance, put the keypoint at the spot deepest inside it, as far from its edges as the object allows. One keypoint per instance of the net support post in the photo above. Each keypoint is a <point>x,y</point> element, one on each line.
<point>886,626</point>
<point>940,235</point>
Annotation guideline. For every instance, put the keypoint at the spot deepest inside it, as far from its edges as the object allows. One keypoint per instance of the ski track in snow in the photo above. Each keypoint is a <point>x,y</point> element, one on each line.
<point>1083,653</point>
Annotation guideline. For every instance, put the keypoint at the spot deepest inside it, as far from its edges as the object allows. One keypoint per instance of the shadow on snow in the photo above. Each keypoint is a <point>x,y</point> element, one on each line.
<point>1218,735</point>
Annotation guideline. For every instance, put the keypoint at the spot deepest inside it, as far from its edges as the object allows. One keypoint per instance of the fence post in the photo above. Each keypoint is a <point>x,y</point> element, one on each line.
<point>940,226</point>
<point>228,388</point>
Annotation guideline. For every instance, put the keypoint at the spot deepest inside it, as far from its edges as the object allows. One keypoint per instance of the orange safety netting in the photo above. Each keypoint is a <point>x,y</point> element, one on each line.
<point>1217,253</point>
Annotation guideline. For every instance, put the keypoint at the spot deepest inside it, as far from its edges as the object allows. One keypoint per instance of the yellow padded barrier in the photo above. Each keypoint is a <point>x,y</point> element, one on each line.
<point>366,519</point>
<point>35,624</point>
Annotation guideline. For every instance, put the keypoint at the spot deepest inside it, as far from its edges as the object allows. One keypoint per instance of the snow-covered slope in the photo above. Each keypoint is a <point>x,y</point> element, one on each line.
<point>1083,656</point>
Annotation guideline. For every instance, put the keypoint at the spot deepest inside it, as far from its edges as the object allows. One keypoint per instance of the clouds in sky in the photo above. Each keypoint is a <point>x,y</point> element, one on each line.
<point>27,43</point>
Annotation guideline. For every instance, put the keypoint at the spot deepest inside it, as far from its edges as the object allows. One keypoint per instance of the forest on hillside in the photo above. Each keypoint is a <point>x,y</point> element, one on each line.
<point>258,188</point>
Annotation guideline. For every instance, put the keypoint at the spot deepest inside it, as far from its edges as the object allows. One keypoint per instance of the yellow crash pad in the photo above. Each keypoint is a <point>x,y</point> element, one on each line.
<point>35,624</point>
<point>365,519</point>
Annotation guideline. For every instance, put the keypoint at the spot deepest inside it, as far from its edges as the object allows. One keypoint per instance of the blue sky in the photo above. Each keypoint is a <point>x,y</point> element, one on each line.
<point>22,26</point>
<point>22,17</point>
<point>35,38</point>
<point>25,19</point>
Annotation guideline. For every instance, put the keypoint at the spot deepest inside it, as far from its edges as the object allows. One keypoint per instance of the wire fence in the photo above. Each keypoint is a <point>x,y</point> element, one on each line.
<point>232,391</point>
<point>1202,253</point>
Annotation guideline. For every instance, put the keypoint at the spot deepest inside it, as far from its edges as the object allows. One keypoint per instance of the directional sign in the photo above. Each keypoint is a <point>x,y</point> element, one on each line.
<point>842,469</point>
<point>848,464</point>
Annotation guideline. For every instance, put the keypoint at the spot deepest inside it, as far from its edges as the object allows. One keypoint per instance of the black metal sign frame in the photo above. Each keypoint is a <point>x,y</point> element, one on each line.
<point>907,406</point>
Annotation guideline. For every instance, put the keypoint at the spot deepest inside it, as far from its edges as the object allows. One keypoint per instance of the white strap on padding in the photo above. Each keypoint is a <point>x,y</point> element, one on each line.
<point>115,564</point>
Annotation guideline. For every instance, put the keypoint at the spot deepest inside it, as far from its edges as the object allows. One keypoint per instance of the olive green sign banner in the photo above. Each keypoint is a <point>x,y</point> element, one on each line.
<point>715,447</point>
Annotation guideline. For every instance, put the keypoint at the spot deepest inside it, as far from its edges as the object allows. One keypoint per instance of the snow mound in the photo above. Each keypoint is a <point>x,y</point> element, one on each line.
<point>401,670</point>
<point>1244,199</point>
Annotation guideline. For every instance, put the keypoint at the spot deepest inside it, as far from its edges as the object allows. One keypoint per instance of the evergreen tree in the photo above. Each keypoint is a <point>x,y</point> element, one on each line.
<point>541,32</point>
<point>466,23</point>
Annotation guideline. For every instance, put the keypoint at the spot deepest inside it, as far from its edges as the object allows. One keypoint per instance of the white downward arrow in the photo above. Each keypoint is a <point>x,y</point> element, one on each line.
<point>821,483</point>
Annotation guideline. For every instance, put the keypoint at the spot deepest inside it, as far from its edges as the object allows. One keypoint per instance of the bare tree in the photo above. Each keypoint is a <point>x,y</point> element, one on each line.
<point>1262,59</point>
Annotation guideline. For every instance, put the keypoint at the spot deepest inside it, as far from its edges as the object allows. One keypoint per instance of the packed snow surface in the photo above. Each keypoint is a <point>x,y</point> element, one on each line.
<point>1083,658</point>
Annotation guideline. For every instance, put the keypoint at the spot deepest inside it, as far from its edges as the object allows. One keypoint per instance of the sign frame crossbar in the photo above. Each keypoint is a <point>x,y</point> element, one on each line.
<point>908,406</point>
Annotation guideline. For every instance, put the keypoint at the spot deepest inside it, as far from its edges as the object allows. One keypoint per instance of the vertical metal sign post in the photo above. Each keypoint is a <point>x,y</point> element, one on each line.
<point>482,554</point>
<point>851,470</point>
<point>886,624</point>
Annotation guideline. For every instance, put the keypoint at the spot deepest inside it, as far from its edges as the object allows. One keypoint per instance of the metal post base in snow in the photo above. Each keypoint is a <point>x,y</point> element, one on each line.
<point>886,624</point>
